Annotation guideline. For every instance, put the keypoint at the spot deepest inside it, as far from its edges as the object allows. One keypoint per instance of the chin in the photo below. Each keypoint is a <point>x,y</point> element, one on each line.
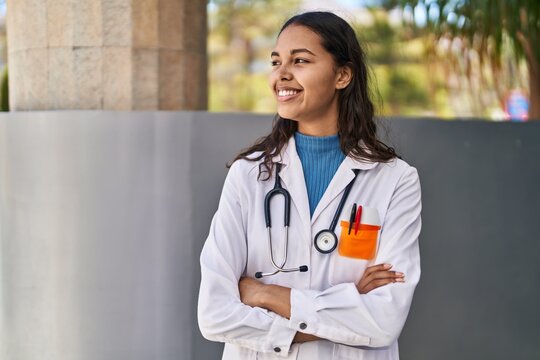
<point>290,115</point>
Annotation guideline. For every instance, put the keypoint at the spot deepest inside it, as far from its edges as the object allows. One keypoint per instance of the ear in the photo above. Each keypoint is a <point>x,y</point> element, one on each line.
<point>344,77</point>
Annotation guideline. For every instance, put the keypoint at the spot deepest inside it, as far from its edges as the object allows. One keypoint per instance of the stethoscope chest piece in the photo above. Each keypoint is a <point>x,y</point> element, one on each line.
<point>325,241</point>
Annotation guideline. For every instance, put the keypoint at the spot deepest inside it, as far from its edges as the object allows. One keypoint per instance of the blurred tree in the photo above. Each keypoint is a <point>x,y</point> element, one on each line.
<point>396,57</point>
<point>241,34</point>
<point>4,91</point>
<point>486,26</point>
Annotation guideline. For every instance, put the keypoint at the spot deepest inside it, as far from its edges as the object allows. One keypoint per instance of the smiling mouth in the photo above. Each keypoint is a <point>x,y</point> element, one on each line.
<point>287,94</point>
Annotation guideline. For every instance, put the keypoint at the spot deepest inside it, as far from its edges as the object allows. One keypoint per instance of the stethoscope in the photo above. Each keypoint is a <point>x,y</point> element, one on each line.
<point>325,241</point>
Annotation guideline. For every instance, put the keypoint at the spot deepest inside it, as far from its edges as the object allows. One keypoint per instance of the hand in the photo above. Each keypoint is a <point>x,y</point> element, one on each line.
<point>251,291</point>
<point>378,275</point>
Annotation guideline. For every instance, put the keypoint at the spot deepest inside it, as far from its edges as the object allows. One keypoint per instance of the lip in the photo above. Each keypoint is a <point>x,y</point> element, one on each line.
<point>287,97</point>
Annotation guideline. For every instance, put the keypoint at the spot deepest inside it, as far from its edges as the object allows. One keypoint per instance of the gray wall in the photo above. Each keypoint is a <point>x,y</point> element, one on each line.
<point>480,288</point>
<point>103,215</point>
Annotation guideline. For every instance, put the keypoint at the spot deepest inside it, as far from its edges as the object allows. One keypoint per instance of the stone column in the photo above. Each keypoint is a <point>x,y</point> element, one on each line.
<point>107,54</point>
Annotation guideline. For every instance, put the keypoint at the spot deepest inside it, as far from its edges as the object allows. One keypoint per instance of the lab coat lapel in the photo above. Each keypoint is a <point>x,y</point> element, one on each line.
<point>292,176</point>
<point>343,176</point>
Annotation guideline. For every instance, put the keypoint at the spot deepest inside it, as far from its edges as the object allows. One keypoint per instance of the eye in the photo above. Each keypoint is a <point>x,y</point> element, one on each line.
<point>300,61</point>
<point>274,63</point>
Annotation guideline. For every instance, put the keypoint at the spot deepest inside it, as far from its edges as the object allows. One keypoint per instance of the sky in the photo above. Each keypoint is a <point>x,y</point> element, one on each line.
<point>357,3</point>
<point>350,4</point>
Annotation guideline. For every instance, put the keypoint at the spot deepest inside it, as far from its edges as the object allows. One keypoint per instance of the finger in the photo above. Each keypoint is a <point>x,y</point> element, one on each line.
<point>378,267</point>
<point>386,274</point>
<point>391,279</point>
<point>368,275</point>
<point>367,285</point>
<point>381,282</point>
<point>375,284</point>
<point>371,269</point>
<point>372,285</point>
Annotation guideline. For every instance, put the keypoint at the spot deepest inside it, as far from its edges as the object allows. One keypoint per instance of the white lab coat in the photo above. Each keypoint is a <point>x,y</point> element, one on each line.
<point>324,299</point>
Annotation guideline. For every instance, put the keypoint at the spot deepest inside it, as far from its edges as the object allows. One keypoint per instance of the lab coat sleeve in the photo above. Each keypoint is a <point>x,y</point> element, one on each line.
<point>343,315</point>
<point>222,316</point>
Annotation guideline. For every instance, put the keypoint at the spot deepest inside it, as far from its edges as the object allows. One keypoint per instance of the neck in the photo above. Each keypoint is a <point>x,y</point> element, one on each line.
<point>324,129</point>
<point>322,124</point>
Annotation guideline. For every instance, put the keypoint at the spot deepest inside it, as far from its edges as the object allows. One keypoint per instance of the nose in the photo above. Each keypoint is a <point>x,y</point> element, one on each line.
<point>284,73</point>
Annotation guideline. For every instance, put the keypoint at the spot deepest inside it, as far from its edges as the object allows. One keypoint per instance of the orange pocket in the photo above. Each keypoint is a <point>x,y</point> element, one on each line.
<point>359,246</point>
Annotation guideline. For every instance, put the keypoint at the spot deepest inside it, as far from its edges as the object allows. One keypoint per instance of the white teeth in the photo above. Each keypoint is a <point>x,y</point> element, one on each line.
<point>287,92</point>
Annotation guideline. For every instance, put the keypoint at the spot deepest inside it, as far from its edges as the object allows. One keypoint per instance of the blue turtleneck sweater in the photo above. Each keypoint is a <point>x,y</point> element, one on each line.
<point>320,157</point>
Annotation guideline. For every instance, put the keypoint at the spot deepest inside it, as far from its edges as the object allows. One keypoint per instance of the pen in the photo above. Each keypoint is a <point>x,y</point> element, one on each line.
<point>357,220</point>
<point>351,218</point>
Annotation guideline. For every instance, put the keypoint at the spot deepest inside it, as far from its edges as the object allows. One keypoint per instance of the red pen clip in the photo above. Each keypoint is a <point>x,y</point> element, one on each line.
<point>357,219</point>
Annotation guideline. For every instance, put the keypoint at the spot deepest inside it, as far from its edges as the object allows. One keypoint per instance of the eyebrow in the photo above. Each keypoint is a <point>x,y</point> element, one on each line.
<point>294,51</point>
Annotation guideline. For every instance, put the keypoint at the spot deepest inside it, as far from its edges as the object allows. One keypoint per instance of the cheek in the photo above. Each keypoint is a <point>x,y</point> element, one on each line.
<point>318,91</point>
<point>272,79</point>
<point>320,82</point>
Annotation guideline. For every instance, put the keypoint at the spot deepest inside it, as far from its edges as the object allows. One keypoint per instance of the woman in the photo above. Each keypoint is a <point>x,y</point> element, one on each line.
<point>314,297</point>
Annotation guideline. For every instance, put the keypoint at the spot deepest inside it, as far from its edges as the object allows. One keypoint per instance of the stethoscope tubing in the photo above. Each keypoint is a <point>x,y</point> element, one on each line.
<point>339,210</point>
<point>279,190</point>
<point>279,268</point>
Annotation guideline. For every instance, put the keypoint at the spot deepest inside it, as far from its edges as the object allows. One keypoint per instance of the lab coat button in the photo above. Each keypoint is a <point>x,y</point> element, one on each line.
<point>277,349</point>
<point>303,326</point>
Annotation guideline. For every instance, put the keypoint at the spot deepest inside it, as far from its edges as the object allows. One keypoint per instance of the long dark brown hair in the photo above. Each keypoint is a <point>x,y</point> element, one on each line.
<point>357,130</point>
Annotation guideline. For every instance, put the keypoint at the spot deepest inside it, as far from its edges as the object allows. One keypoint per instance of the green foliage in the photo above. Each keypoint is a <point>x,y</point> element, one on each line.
<point>4,91</point>
<point>242,34</point>
<point>380,37</point>
<point>404,90</point>
<point>484,22</point>
<point>413,94</point>
<point>488,28</point>
<point>400,72</point>
<point>243,92</point>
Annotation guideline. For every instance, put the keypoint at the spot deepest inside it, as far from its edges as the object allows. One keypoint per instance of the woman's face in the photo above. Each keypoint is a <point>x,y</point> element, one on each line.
<point>305,81</point>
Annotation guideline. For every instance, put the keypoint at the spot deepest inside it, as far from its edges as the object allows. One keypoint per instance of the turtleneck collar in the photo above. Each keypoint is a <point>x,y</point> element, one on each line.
<point>316,144</point>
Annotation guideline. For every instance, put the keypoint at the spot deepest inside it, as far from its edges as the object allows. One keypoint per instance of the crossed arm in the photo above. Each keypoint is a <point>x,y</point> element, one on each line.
<point>277,298</point>
<point>263,317</point>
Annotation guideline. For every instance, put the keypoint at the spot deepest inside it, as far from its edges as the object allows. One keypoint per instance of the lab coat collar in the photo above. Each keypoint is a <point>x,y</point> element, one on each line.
<point>343,176</point>
<point>292,175</point>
